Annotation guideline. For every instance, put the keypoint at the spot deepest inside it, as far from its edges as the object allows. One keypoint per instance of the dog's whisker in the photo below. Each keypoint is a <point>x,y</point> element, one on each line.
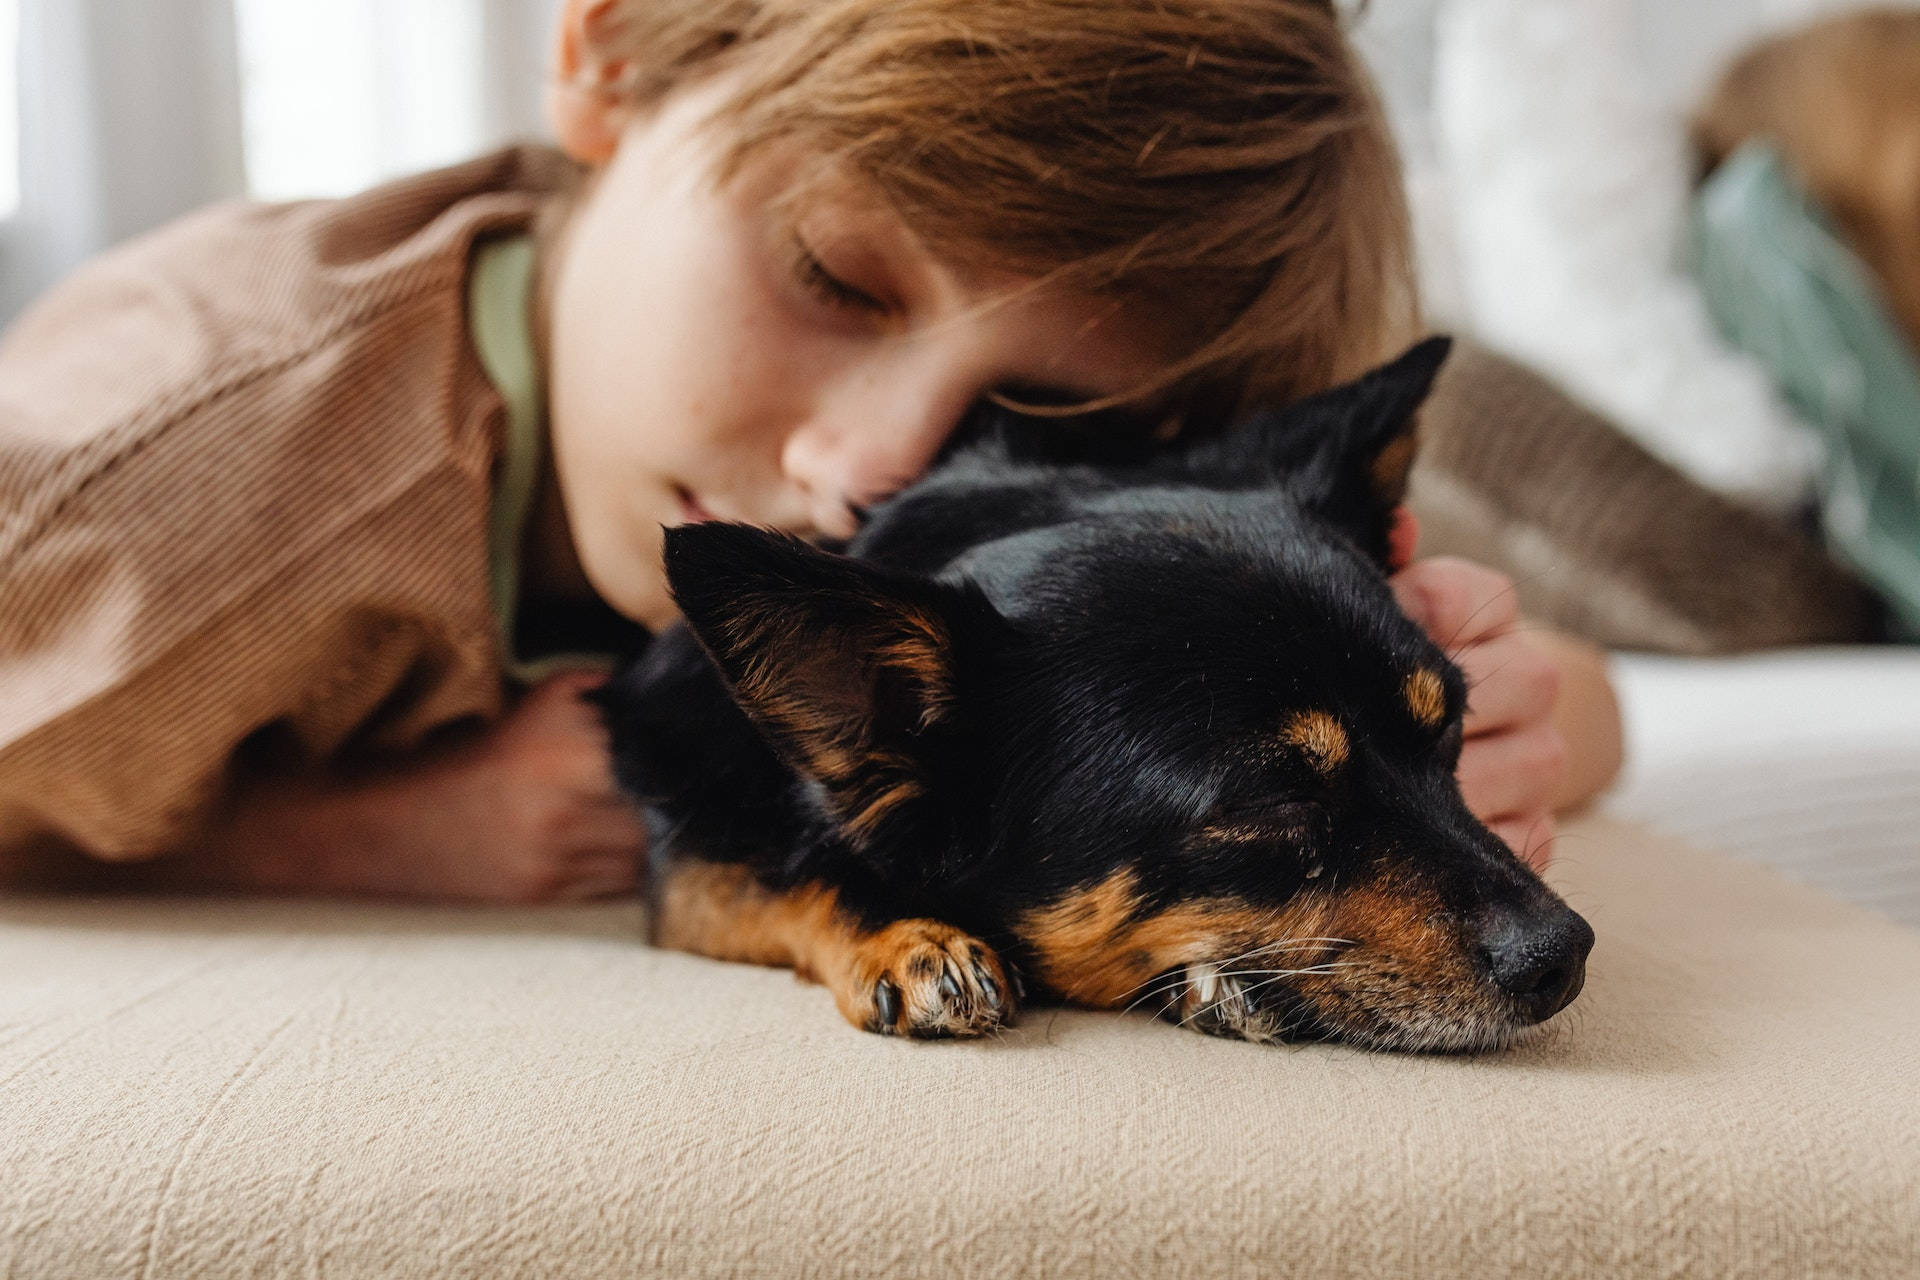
<point>1285,973</point>
<point>1448,647</point>
<point>1288,944</point>
<point>1301,942</point>
<point>1166,975</point>
<point>1264,982</point>
<point>1169,982</point>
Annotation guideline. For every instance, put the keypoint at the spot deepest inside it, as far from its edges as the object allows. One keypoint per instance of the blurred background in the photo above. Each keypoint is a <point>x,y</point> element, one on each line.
<point>116,115</point>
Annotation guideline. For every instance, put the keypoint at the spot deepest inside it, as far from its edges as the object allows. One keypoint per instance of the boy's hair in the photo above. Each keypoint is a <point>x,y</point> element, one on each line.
<point>1223,158</point>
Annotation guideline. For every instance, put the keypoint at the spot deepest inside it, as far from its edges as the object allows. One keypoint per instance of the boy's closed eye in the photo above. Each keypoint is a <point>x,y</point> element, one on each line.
<point>827,288</point>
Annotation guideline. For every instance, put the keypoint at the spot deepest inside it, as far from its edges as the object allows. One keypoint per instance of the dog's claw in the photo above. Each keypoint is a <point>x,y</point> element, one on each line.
<point>986,984</point>
<point>925,979</point>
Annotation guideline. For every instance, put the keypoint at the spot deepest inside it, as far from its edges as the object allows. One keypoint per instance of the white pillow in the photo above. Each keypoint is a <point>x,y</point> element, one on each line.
<point>1564,180</point>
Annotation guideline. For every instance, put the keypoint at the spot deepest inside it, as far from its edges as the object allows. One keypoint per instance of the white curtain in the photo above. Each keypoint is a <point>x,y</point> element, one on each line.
<point>133,112</point>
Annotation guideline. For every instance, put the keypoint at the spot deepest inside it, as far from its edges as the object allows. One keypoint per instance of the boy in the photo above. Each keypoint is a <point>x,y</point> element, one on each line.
<point>285,492</point>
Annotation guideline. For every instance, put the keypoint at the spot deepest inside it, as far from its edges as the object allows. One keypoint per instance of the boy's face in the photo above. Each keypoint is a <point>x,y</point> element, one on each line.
<point>710,356</point>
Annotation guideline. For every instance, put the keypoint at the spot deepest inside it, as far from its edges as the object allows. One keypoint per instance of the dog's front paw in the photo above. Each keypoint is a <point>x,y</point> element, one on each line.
<point>926,979</point>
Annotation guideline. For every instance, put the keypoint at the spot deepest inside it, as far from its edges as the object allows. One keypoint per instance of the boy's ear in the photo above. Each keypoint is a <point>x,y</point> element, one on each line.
<point>847,669</point>
<point>587,107</point>
<point>1345,453</point>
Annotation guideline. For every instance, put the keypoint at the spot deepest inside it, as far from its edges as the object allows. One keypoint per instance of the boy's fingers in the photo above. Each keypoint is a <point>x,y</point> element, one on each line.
<point>1515,772</point>
<point>1510,681</point>
<point>575,682</point>
<point>605,827</point>
<point>599,869</point>
<point>1403,537</point>
<point>563,688</point>
<point>599,882</point>
<point>1456,601</point>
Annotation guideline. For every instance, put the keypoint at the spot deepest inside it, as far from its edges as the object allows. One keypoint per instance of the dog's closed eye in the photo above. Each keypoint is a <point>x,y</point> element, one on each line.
<point>1283,813</point>
<point>1280,821</point>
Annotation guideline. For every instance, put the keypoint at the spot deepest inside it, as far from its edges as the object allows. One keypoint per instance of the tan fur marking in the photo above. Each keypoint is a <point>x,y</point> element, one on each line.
<point>1236,835</point>
<point>1394,919</point>
<point>1089,948</point>
<point>1401,977</point>
<point>866,816</point>
<point>1426,698</point>
<point>820,699</point>
<point>924,656</point>
<point>722,911</point>
<point>1320,737</point>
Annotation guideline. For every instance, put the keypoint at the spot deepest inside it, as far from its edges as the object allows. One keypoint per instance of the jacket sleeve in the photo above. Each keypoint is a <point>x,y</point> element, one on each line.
<point>215,522</point>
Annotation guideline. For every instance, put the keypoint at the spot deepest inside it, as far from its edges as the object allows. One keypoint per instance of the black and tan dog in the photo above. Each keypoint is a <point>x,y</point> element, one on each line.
<point>1148,732</point>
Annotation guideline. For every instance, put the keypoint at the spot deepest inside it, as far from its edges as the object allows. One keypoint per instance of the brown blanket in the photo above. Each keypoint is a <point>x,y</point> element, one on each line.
<point>1603,539</point>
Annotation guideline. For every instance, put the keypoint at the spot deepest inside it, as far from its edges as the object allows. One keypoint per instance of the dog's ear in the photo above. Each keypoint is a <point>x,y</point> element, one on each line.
<point>847,669</point>
<point>1345,453</point>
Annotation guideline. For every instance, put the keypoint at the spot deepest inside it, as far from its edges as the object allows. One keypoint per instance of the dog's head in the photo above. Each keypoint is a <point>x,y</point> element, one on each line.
<point>1173,746</point>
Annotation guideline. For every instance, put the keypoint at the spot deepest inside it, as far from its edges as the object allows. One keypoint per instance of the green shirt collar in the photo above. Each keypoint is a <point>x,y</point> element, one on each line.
<point>499,318</point>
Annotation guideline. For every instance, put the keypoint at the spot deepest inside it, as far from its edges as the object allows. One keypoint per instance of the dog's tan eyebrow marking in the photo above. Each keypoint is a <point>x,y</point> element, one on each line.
<point>1320,738</point>
<point>1426,697</point>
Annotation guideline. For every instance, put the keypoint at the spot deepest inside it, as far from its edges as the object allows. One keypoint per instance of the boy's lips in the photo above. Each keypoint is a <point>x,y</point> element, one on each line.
<point>691,512</point>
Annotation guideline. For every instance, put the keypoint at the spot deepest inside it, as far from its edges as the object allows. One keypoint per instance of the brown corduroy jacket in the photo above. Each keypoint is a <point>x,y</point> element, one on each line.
<point>246,465</point>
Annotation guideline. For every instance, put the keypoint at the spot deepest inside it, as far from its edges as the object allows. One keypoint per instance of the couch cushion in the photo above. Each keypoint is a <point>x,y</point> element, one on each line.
<point>231,1089</point>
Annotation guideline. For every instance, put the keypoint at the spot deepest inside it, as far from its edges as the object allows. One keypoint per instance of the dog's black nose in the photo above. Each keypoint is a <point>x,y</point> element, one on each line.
<point>1537,957</point>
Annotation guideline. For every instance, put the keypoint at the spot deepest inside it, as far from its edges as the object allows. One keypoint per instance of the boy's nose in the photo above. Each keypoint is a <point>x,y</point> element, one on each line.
<point>807,461</point>
<point>855,450</point>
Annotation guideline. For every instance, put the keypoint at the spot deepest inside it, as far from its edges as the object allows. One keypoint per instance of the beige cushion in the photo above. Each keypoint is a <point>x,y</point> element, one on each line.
<point>259,1089</point>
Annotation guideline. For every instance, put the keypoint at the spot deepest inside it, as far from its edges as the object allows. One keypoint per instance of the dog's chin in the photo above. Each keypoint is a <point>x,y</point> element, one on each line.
<point>1274,1014</point>
<point>1436,1036</point>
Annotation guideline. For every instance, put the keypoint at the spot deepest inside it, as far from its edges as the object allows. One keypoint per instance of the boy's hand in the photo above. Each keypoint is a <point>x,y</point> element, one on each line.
<point>564,829</point>
<point>1514,758</point>
<point>524,811</point>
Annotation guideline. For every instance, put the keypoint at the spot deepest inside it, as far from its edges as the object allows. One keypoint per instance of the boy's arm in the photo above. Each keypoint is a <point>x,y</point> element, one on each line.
<point>524,811</point>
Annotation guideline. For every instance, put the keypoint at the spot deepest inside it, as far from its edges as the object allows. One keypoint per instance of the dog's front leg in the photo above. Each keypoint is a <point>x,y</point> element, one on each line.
<point>914,977</point>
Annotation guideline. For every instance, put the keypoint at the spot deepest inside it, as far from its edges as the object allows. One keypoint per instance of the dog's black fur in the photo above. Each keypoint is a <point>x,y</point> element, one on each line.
<point>1148,729</point>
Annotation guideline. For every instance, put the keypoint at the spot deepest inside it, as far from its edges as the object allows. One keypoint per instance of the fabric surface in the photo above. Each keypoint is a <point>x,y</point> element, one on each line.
<point>1807,760</point>
<point>245,471</point>
<point>1786,288</point>
<point>227,1089</point>
<point>1604,540</point>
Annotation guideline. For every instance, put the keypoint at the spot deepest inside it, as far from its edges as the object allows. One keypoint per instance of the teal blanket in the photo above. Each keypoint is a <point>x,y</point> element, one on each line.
<point>1783,287</point>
